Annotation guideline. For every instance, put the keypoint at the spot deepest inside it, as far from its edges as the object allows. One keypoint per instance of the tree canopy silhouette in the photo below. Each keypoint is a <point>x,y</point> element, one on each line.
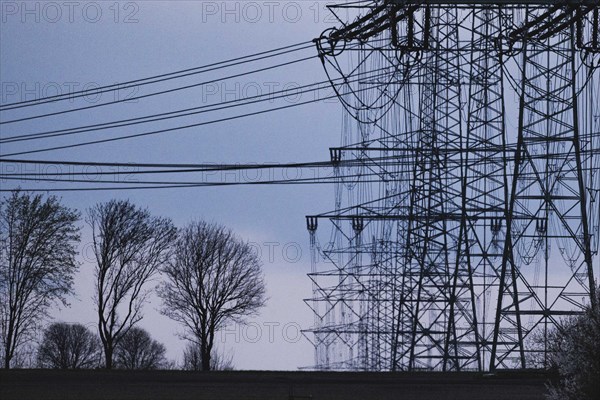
<point>575,356</point>
<point>213,279</point>
<point>192,359</point>
<point>137,350</point>
<point>129,245</point>
<point>68,346</point>
<point>37,263</point>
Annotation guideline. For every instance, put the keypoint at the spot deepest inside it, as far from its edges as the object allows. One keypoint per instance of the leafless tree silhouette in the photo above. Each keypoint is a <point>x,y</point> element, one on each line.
<point>137,350</point>
<point>213,279</point>
<point>37,263</point>
<point>69,346</point>
<point>575,356</point>
<point>192,359</point>
<point>130,245</point>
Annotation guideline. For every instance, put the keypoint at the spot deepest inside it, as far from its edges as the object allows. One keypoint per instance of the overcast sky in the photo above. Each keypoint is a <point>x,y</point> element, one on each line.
<point>49,48</point>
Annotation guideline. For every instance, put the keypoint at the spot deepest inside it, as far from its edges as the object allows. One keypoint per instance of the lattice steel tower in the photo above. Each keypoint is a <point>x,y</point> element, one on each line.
<point>469,225</point>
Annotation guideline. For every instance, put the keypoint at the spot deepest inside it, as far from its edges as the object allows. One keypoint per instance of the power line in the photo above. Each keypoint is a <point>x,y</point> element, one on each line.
<point>163,165</point>
<point>161,116</point>
<point>203,168</point>
<point>197,167</point>
<point>157,93</point>
<point>300,90</point>
<point>382,162</point>
<point>160,130</point>
<point>101,181</point>
<point>172,185</point>
<point>171,129</point>
<point>156,78</point>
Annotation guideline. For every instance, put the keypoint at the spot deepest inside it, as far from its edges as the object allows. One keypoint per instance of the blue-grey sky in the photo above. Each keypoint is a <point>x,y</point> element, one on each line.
<point>55,47</point>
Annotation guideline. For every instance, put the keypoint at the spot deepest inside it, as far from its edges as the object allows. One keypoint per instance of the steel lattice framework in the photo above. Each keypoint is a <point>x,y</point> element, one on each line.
<point>471,224</point>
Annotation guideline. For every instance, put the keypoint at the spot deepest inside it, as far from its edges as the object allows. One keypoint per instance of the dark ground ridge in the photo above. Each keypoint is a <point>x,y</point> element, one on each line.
<point>181,385</point>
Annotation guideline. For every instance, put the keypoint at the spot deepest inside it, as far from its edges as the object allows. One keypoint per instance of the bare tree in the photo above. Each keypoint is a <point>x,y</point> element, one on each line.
<point>137,350</point>
<point>213,279</point>
<point>69,346</point>
<point>192,359</point>
<point>130,245</point>
<point>26,355</point>
<point>575,357</point>
<point>37,263</point>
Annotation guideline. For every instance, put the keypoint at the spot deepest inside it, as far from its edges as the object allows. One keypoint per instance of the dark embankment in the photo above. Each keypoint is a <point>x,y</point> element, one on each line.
<point>180,385</point>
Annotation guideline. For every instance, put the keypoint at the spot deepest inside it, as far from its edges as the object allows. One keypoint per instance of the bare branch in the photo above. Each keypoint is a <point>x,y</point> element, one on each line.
<point>37,264</point>
<point>137,350</point>
<point>213,279</point>
<point>192,359</point>
<point>68,346</point>
<point>130,245</point>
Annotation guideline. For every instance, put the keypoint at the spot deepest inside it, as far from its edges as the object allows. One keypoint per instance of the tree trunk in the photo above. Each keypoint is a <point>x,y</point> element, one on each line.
<point>108,356</point>
<point>205,355</point>
<point>8,354</point>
